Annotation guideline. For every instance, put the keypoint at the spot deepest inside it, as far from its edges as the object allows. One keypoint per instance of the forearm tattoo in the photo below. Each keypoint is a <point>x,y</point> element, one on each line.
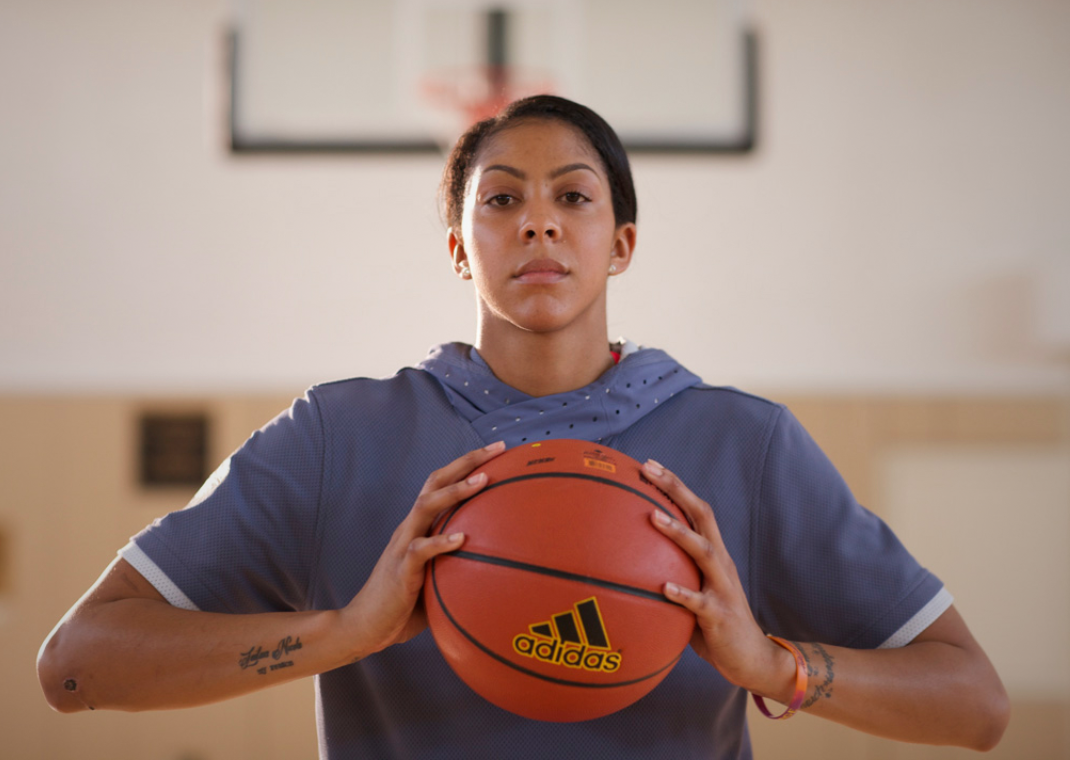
<point>252,657</point>
<point>71,686</point>
<point>823,689</point>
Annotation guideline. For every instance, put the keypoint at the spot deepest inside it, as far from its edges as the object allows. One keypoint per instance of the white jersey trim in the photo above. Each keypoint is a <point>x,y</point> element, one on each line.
<point>140,561</point>
<point>925,617</point>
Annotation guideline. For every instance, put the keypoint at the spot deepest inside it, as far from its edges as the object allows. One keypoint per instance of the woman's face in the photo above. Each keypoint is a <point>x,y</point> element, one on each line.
<point>538,231</point>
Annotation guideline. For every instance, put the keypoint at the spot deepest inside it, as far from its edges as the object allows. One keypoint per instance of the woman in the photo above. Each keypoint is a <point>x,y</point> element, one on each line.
<point>316,529</point>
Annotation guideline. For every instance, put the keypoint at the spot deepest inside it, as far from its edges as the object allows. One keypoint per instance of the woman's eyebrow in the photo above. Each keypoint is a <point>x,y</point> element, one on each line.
<point>507,169</point>
<point>512,170</point>
<point>570,168</point>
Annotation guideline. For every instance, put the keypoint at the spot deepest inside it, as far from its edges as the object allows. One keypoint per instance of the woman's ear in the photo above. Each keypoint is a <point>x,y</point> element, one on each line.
<point>457,255</point>
<point>623,247</point>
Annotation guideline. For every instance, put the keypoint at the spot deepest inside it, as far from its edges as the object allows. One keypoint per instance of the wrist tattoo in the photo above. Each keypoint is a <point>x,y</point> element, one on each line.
<point>251,658</point>
<point>823,689</point>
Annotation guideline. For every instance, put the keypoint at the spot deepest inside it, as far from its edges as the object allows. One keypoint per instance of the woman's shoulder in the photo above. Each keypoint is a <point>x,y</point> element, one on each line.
<point>728,400</point>
<point>366,393</point>
<point>730,394</point>
<point>718,408</point>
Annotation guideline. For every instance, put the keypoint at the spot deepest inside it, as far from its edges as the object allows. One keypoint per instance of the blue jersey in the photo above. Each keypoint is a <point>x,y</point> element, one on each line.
<point>298,516</point>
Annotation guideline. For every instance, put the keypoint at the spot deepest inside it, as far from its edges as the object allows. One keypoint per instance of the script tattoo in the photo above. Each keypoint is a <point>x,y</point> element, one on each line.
<point>823,689</point>
<point>252,657</point>
<point>286,646</point>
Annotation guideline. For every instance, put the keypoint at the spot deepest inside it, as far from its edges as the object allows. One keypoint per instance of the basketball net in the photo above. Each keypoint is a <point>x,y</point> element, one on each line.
<point>474,93</point>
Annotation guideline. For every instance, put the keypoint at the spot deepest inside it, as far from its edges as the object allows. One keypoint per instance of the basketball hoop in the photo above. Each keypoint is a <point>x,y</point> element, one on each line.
<point>476,93</point>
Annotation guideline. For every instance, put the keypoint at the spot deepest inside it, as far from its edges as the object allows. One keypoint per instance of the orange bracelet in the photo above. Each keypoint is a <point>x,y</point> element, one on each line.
<point>800,683</point>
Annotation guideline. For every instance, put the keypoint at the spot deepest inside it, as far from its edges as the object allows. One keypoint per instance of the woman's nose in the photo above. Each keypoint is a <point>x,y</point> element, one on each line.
<point>550,232</point>
<point>542,227</point>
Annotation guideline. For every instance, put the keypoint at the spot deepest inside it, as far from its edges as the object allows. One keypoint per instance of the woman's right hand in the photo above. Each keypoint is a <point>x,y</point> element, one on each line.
<point>387,611</point>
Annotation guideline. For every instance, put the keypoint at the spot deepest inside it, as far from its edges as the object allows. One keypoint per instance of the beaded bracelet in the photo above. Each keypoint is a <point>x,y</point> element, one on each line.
<point>800,683</point>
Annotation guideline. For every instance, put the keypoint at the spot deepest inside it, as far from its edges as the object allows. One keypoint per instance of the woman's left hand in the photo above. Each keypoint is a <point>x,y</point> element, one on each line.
<point>726,635</point>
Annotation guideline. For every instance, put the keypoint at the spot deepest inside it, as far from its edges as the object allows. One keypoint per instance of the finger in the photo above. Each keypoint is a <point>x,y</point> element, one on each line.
<point>697,511</point>
<point>431,507</point>
<point>697,546</point>
<point>695,601</point>
<point>716,564</point>
<point>422,550</point>
<point>445,488</point>
<point>462,466</point>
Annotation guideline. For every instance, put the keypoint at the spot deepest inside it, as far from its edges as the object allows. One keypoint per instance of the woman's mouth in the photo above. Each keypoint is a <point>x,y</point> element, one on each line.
<point>541,271</point>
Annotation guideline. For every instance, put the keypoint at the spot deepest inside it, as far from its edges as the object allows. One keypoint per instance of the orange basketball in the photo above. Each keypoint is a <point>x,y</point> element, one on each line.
<point>552,608</point>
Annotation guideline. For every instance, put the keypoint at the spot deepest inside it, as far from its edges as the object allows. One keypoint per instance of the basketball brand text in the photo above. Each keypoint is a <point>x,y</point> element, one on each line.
<point>569,655</point>
<point>575,638</point>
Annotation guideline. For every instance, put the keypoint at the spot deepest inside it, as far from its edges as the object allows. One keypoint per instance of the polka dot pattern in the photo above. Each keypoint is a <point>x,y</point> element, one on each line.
<point>644,379</point>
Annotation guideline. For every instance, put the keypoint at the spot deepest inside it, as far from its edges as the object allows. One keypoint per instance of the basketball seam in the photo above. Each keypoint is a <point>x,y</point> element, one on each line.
<point>563,574</point>
<point>537,475</point>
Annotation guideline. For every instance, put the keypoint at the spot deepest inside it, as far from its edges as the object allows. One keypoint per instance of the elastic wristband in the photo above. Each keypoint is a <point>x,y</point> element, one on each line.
<point>800,683</point>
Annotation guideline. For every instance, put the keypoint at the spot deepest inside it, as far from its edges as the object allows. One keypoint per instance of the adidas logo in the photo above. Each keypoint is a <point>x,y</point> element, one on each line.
<point>574,638</point>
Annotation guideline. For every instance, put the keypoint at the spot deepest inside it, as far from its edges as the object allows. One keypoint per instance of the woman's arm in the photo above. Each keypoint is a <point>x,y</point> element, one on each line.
<point>124,647</point>
<point>939,689</point>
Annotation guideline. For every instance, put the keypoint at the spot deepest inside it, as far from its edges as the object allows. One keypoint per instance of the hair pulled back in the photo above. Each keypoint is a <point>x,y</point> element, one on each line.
<point>540,107</point>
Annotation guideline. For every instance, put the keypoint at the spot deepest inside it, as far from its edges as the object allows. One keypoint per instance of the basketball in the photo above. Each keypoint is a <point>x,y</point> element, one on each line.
<point>552,609</point>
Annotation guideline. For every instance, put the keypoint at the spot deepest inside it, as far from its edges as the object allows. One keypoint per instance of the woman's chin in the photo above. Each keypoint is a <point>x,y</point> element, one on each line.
<point>544,315</point>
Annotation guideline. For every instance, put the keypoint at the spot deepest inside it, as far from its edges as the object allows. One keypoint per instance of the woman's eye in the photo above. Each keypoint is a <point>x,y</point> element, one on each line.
<point>500,200</point>
<point>574,197</point>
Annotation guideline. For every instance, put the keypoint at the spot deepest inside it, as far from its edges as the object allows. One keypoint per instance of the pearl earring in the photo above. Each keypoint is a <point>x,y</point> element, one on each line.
<point>612,268</point>
<point>466,273</point>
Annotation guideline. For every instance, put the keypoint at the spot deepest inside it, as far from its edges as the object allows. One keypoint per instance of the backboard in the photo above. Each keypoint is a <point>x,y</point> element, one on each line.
<point>410,75</point>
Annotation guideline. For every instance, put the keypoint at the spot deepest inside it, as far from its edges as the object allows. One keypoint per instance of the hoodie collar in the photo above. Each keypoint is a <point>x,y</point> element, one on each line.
<point>644,379</point>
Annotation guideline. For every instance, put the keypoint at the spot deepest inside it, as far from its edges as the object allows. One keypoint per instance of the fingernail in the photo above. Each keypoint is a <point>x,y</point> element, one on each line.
<point>672,588</point>
<point>655,467</point>
<point>494,446</point>
<point>455,537</point>
<point>476,478</point>
<point>661,517</point>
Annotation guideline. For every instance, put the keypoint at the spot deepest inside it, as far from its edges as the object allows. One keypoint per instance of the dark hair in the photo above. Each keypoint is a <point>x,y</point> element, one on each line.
<point>547,107</point>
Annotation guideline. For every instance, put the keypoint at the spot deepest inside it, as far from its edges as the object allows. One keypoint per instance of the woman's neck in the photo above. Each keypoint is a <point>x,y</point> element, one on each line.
<point>544,364</point>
